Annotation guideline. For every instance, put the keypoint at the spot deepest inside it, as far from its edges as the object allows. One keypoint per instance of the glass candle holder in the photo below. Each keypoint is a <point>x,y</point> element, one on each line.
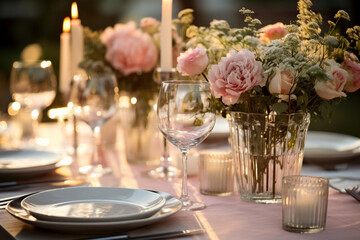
<point>216,172</point>
<point>304,205</point>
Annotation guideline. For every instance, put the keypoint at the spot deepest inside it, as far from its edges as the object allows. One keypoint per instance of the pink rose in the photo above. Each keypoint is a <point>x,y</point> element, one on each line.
<point>193,61</point>
<point>332,88</point>
<point>129,49</point>
<point>235,74</point>
<point>353,70</point>
<point>149,24</point>
<point>282,82</point>
<point>272,32</point>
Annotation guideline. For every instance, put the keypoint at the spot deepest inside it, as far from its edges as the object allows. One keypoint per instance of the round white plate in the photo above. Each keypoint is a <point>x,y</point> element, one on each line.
<point>172,206</point>
<point>93,204</point>
<point>27,162</point>
<point>331,146</point>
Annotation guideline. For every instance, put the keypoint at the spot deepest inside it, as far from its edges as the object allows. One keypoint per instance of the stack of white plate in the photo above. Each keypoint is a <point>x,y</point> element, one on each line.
<point>26,163</point>
<point>330,148</point>
<point>94,209</point>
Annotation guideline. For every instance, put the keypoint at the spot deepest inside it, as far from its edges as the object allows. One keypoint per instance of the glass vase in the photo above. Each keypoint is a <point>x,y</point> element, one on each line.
<point>141,136</point>
<point>265,148</point>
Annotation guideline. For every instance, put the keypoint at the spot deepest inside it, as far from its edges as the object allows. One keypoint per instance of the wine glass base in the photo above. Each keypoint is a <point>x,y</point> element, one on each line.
<point>95,170</point>
<point>192,205</point>
<point>164,173</point>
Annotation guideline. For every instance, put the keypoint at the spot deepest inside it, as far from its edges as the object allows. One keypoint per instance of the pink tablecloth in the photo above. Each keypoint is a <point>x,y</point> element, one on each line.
<point>224,218</point>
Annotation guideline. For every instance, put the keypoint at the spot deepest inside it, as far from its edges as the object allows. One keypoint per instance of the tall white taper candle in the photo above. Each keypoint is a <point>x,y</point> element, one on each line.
<point>166,36</point>
<point>77,39</point>
<point>65,73</point>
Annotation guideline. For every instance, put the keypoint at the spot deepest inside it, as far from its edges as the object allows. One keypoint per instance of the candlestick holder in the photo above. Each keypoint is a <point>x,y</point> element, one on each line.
<point>165,171</point>
<point>304,203</point>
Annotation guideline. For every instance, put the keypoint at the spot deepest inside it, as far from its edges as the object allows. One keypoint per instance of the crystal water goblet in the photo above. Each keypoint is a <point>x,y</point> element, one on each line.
<point>33,85</point>
<point>186,116</point>
<point>94,99</point>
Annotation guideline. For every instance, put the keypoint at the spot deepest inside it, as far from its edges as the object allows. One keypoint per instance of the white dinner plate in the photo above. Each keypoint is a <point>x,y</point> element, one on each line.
<point>28,162</point>
<point>172,206</point>
<point>331,147</point>
<point>93,204</point>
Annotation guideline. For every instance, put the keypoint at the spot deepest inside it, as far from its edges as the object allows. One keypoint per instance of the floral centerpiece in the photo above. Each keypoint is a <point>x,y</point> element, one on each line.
<point>267,81</point>
<point>131,53</point>
<point>281,68</point>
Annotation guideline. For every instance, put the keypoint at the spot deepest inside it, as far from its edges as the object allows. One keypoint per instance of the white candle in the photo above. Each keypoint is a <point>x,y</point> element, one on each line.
<point>65,74</point>
<point>77,40</point>
<point>166,36</point>
<point>305,206</point>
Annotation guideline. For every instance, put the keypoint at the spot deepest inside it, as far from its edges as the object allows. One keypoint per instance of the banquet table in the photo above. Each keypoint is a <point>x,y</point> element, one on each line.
<point>225,217</point>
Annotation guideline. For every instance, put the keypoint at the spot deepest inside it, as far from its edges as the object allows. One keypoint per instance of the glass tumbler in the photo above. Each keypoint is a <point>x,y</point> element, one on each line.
<point>304,205</point>
<point>216,172</point>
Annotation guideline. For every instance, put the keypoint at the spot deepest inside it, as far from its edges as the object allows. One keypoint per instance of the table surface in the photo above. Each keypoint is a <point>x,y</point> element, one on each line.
<point>223,218</point>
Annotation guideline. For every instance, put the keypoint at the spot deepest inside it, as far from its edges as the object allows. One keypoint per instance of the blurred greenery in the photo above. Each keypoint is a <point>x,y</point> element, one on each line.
<point>24,22</point>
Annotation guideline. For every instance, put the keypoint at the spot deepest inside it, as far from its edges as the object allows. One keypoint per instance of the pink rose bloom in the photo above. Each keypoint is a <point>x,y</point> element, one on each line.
<point>353,70</point>
<point>149,24</point>
<point>272,32</point>
<point>332,88</point>
<point>235,74</point>
<point>129,49</point>
<point>282,82</point>
<point>193,61</point>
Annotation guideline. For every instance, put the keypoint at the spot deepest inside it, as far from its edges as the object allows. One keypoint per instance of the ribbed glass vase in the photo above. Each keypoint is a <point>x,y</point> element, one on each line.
<point>265,148</point>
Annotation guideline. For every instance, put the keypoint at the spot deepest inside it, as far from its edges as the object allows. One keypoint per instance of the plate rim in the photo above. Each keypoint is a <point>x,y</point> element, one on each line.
<point>60,157</point>
<point>333,155</point>
<point>148,210</point>
<point>96,227</point>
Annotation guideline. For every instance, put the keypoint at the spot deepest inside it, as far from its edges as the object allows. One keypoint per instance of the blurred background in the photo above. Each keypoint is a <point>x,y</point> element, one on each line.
<point>24,22</point>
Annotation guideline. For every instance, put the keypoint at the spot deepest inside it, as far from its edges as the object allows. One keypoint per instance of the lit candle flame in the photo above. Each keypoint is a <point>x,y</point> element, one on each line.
<point>74,11</point>
<point>66,24</point>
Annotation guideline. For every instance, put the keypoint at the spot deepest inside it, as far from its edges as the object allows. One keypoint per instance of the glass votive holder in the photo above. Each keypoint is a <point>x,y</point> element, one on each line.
<point>304,203</point>
<point>216,172</point>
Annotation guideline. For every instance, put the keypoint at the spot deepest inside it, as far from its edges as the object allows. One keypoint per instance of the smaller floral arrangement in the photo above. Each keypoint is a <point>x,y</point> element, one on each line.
<point>132,54</point>
<point>277,68</point>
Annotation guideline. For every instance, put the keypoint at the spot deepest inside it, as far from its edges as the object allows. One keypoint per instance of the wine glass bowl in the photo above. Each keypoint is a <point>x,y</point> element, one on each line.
<point>33,85</point>
<point>94,101</point>
<point>186,116</point>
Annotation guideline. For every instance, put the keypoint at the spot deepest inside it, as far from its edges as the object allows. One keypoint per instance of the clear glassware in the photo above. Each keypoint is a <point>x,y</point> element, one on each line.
<point>165,171</point>
<point>94,100</point>
<point>304,204</point>
<point>33,85</point>
<point>186,116</point>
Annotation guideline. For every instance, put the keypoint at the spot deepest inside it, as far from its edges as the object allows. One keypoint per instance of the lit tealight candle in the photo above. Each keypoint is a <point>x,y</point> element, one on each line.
<point>216,173</point>
<point>65,74</point>
<point>166,36</point>
<point>304,203</point>
<point>77,40</point>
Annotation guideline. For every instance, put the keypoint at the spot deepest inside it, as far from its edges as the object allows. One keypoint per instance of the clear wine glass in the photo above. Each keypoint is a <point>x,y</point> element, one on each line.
<point>33,85</point>
<point>165,171</point>
<point>94,100</point>
<point>186,116</point>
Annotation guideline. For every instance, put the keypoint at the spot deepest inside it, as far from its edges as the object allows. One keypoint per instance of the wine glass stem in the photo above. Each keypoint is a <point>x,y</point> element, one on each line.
<point>184,190</point>
<point>97,144</point>
<point>165,156</point>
